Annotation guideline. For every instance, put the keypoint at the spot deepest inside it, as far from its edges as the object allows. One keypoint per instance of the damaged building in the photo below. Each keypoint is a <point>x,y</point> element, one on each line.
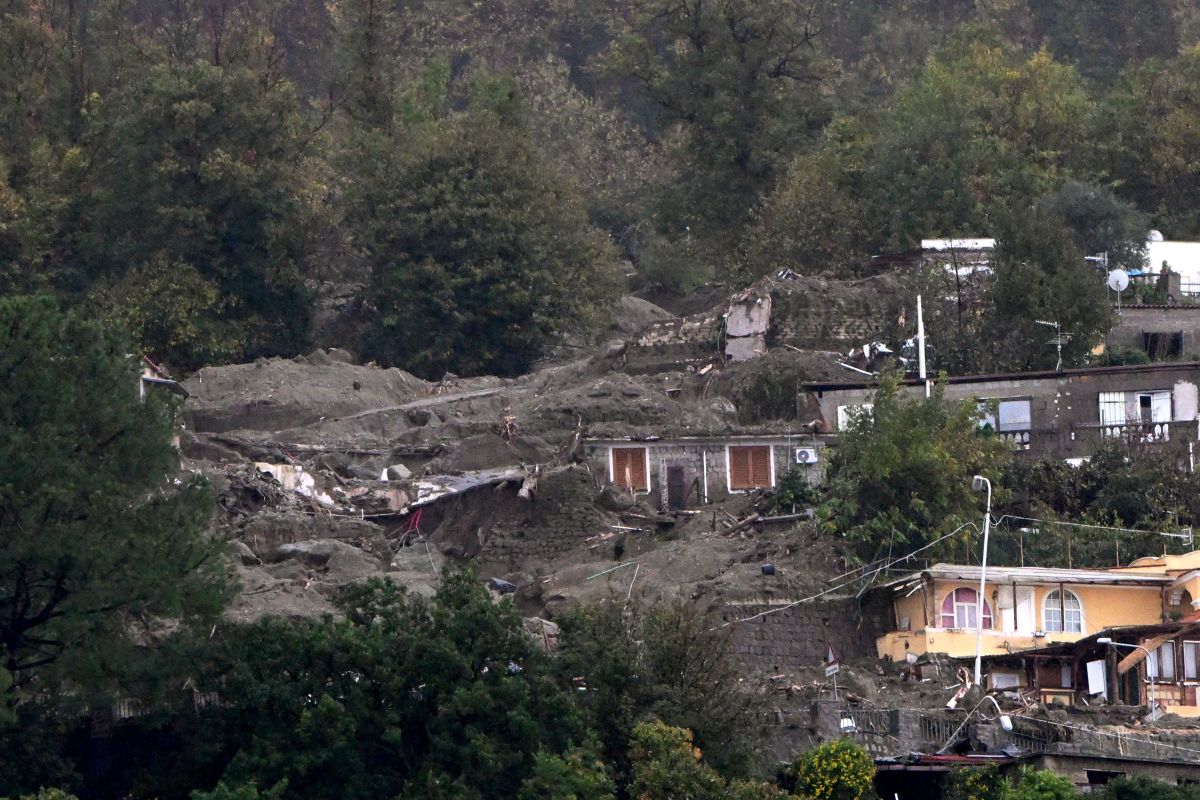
<point>679,472</point>
<point>1054,414</point>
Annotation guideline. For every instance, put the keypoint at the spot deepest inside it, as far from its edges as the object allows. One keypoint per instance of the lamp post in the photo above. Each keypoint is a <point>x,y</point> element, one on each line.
<point>978,484</point>
<point>1149,677</point>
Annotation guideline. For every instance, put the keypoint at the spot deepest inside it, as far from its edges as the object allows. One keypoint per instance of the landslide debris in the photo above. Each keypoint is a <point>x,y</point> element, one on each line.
<point>329,472</point>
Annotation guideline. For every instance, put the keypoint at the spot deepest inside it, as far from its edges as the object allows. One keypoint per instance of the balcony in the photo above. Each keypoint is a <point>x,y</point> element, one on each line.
<point>1138,431</point>
<point>1018,439</point>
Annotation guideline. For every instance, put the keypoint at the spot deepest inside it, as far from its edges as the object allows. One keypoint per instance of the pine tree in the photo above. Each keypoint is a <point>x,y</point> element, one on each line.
<point>97,531</point>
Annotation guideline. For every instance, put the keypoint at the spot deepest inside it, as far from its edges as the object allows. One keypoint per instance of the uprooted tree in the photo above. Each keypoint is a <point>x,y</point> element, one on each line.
<point>99,535</point>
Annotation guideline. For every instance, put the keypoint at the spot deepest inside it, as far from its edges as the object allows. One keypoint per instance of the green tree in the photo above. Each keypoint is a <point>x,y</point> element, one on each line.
<point>194,230</point>
<point>245,791</point>
<point>901,476</point>
<point>49,794</point>
<point>1143,787</point>
<point>1040,274</point>
<point>1102,38</point>
<point>97,533</point>
<point>1124,484</point>
<point>982,127</point>
<point>402,696</point>
<point>965,783</point>
<point>1101,223</point>
<point>478,252</point>
<point>1042,784</point>
<point>666,765</point>
<point>836,770</point>
<point>1147,137</point>
<point>739,83</point>
<point>668,662</point>
<point>754,790</point>
<point>579,774</point>
<point>367,49</point>
<point>812,222</point>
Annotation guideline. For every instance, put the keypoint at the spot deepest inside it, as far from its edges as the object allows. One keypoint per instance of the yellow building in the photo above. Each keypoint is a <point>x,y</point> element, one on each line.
<point>1184,571</point>
<point>934,611</point>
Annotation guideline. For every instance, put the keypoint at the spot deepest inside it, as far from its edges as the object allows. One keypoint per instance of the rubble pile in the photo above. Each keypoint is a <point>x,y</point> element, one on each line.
<point>328,471</point>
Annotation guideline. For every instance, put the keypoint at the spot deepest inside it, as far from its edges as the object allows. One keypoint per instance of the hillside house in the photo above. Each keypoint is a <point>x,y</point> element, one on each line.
<point>1047,630</point>
<point>1023,608</point>
<point>689,471</point>
<point>1054,414</point>
<point>1110,665</point>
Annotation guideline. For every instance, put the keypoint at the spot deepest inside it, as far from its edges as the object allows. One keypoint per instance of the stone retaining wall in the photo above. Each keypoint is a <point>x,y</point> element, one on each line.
<point>796,637</point>
<point>561,516</point>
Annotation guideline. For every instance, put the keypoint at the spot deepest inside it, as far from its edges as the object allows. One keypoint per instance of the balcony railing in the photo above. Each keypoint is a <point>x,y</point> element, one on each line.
<point>1138,431</point>
<point>1018,439</point>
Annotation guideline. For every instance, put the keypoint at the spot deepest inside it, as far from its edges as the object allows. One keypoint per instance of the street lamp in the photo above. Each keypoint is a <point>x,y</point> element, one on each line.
<point>1149,677</point>
<point>978,484</point>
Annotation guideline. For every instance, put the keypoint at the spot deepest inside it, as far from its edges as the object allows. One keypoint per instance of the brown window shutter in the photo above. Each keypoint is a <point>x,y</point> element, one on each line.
<point>629,468</point>
<point>760,463</point>
<point>739,468</point>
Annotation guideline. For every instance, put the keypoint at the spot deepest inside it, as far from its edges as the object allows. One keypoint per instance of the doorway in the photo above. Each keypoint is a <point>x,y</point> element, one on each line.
<point>676,488</point>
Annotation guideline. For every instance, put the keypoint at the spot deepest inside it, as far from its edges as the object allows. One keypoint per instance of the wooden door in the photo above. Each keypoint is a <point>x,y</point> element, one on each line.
<point>676,488</point>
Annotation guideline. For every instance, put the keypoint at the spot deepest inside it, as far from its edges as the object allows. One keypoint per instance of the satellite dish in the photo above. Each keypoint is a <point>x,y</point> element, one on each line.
<point>1118,280</point>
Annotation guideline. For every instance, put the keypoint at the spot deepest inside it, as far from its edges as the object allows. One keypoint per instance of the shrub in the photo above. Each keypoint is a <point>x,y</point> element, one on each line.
<point>837,770</point>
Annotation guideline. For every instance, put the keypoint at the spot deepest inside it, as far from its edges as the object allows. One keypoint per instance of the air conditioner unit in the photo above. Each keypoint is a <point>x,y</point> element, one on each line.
<point>806,455</point>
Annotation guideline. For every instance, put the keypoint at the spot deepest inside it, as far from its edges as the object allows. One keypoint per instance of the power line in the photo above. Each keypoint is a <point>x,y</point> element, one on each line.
<point>1182,535</point>
<point>833,589</point>
<point>1098,732</point>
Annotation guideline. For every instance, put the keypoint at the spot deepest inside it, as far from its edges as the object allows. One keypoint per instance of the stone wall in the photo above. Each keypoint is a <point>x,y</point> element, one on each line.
<point>796,637</point>
<point>561,516</point>
<point>807,312</point>
<point>677,344</point>
<point>818,314</point>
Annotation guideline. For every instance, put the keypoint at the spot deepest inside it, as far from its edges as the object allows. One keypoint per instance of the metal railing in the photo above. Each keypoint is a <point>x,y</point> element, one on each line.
<point>877,721</point>
<point>936,731</point>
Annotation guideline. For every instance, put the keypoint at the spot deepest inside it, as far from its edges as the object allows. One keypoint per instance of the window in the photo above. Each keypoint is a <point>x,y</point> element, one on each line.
<point>630,468</point>
<point>750,467</point>
<point>1011,419</point>
<point>848,414</point>
<point>1062,613</point>
<point>1191,661</point>
<point>958,610</point>
<point>1112,408</point>
<point>1006,680</point>
<point>1132,408</point>
<point>1162,662</point>
<point>1010,415</point>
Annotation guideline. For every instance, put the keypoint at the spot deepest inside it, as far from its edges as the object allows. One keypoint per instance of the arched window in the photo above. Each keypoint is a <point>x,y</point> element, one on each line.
<point>1062,612</point>
<point>958,610</point>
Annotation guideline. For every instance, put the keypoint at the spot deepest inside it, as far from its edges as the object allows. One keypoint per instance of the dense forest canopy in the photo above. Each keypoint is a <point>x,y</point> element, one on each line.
<point>196,169</point>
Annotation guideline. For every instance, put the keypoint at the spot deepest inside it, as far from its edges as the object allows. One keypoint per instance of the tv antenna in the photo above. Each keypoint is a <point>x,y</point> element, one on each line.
<point>1118,281</point>
<point>1058,341</point>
